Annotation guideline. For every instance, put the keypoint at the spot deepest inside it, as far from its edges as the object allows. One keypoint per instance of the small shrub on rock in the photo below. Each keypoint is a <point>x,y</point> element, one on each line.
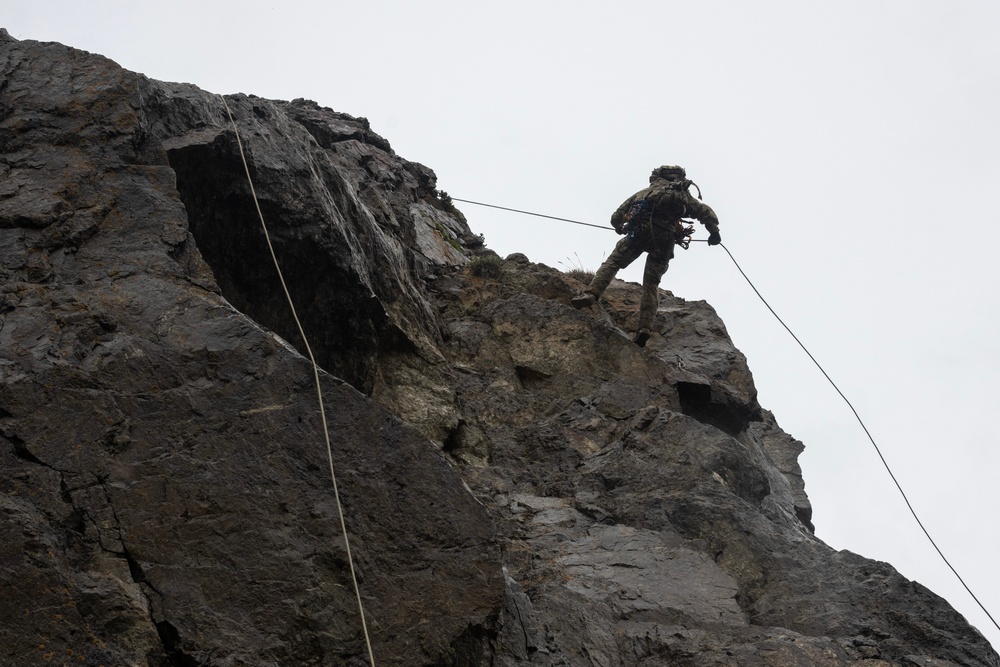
<point>486,266</point>
<point>583,275</point>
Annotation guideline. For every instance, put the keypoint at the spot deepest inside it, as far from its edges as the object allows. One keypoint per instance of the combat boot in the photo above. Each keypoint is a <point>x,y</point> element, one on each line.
<point>583,300</point>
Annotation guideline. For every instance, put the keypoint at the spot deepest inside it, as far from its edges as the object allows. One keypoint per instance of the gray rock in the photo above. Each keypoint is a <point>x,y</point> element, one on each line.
<point>166,496</point>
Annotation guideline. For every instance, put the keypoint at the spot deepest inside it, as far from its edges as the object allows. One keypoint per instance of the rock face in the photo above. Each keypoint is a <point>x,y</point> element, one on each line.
<point>521,484</point>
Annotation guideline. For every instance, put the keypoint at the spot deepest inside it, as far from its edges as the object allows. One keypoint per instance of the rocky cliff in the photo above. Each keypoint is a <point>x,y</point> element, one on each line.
<point>522,485</point>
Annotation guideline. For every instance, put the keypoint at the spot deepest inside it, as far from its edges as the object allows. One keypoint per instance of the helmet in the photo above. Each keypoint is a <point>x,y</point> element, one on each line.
<point>669,173</point>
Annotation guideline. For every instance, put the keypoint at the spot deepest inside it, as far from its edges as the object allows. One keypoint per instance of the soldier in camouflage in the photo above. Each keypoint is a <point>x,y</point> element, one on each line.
<point>651,222</point>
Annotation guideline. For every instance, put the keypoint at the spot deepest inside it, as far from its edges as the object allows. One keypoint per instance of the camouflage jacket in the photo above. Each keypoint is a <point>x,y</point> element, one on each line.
<point>660,207</point>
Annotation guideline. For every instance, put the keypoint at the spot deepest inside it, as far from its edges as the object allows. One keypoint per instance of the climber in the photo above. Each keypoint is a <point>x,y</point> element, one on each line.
<point>651,222</point>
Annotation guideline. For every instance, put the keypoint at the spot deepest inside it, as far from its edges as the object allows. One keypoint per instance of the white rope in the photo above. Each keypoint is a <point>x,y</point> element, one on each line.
<point>319,391</point>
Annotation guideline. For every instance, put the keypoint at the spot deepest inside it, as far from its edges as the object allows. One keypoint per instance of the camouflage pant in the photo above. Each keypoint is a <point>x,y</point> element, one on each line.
<point>627,251</point>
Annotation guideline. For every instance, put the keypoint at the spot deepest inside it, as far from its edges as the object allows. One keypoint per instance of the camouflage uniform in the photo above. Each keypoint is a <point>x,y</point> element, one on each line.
<point>652,231</point>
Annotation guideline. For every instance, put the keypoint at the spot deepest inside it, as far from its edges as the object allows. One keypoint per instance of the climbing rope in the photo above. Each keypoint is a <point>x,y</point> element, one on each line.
<point>540,215</point>
<point>319,390</point>
<point>825,374</point>
<point>870,438</point>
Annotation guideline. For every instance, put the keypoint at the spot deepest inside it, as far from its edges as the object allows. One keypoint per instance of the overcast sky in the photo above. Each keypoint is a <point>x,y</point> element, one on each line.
<point>851,150</point>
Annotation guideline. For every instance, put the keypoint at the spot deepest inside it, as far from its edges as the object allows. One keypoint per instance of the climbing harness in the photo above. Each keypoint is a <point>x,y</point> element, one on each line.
<point>319,390</point>
<point>822,370</point>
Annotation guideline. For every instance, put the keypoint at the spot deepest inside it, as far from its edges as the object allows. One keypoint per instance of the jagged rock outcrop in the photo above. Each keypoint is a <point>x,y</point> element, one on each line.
<point>522,484</point>
<point>166,495</point>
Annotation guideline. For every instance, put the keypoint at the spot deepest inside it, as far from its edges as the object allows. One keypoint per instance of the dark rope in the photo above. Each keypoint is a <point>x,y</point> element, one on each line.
<point>870,438</point>
<point>828,378</point>
<point>550,217</point>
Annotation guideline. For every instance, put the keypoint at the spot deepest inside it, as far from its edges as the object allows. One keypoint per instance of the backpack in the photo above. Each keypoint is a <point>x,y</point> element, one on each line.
<point>666,200</point>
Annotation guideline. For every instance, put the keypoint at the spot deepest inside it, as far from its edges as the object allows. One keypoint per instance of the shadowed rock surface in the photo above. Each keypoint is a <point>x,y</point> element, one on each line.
<point>522,485</point>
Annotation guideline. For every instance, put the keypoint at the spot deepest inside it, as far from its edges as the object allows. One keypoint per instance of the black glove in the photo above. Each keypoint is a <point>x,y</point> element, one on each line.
<point>714,238</point>
<point>619,229</point>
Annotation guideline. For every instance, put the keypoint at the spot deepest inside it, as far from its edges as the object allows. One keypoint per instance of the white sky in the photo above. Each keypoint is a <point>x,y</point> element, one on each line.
<point>851,150</point>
